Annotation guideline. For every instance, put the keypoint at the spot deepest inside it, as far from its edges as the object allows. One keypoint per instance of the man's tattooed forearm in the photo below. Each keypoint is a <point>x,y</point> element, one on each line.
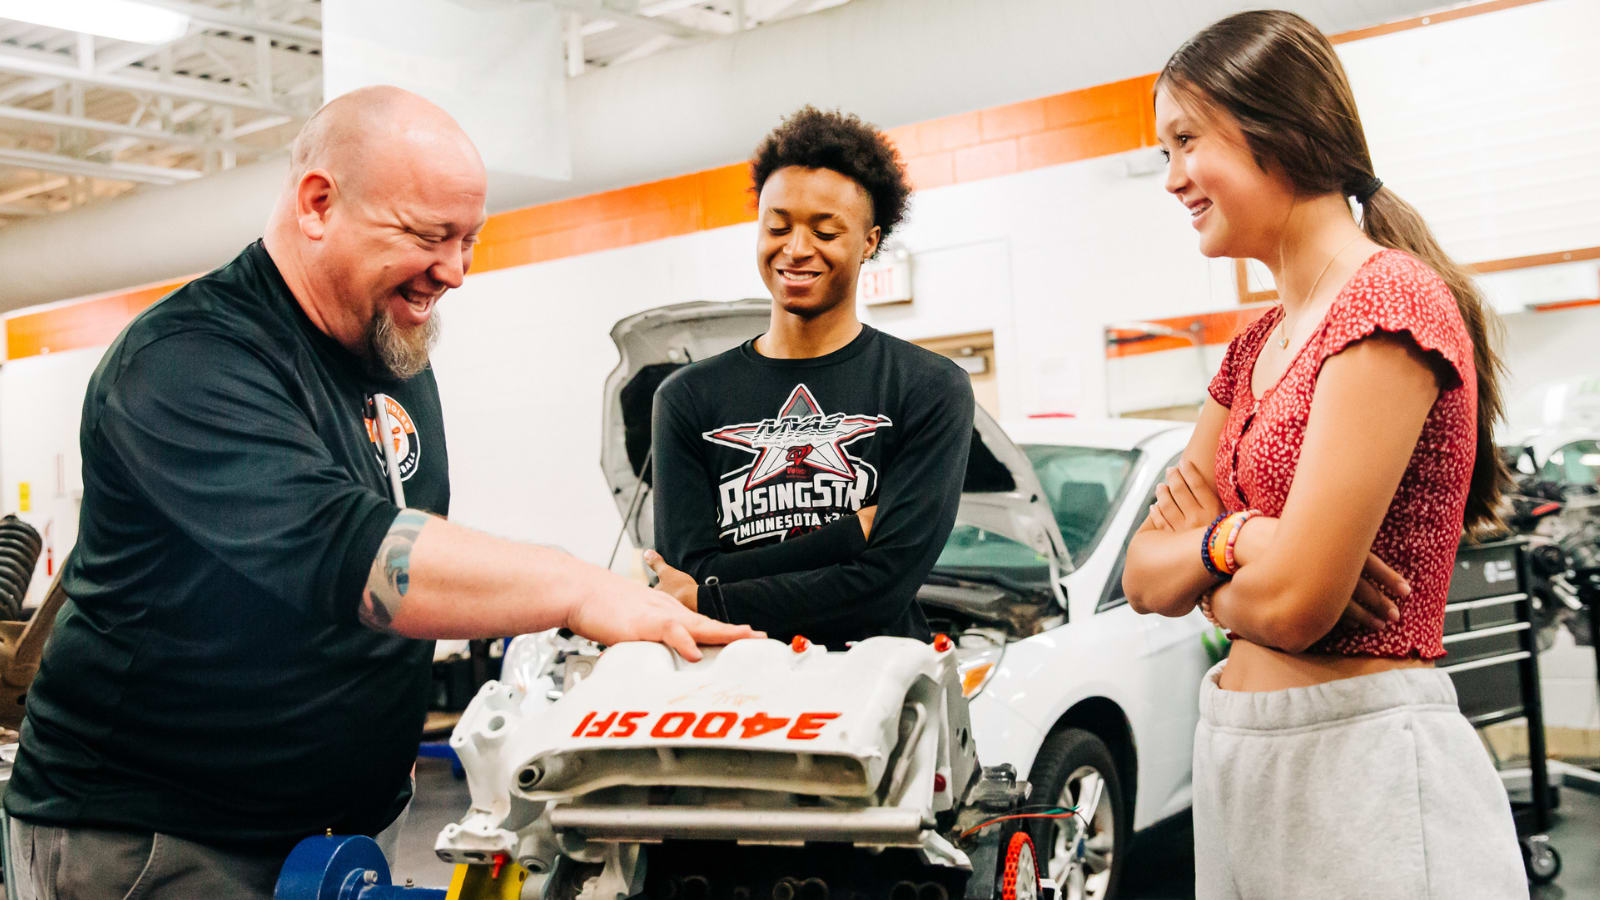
<point>390,577</point>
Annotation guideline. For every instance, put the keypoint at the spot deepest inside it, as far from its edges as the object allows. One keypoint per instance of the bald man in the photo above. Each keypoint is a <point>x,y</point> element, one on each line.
<point>262,560</point>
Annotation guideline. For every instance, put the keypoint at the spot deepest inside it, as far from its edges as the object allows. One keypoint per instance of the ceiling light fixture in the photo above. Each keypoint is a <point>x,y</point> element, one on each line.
<point>123,20</point>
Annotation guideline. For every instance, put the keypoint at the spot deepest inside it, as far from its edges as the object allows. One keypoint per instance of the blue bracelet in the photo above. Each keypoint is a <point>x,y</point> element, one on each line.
<point>1205,548</point>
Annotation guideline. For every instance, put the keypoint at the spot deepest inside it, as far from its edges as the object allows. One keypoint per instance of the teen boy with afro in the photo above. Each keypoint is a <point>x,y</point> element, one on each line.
<point>806,480</point>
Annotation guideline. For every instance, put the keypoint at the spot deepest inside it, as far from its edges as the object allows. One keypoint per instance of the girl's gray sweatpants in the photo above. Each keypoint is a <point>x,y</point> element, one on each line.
<point>1370,787</point>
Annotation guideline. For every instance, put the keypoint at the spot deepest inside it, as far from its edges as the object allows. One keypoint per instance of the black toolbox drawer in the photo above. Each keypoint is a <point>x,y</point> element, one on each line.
<point>1494,615</point>
<point>1491,691</point>
<point>1470,645</point>
<point>1486,630</point>
<point>1485,570</point>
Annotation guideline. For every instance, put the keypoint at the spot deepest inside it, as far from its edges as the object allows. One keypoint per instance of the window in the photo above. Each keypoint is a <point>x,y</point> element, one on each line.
<point>971,547</point>
<point>1577,463</point>
<point>1113,596</point>
<point>1083,485</point>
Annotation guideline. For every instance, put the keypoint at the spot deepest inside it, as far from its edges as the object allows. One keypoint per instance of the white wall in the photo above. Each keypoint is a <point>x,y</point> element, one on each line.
<point>520,368</point>
<point>701,105</point>
<point>1544,348</point>
<point>1490,125</point>
<point>1087,245</point>
<point>525,350</point>
<point>40,401</point>
<point>1044,259</point>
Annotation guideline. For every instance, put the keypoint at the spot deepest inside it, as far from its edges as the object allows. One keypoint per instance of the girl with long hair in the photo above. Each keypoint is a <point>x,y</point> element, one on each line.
<point>1317,510</point>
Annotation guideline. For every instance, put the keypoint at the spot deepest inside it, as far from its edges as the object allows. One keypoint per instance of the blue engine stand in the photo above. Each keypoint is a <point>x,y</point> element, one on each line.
<point>347,867</point>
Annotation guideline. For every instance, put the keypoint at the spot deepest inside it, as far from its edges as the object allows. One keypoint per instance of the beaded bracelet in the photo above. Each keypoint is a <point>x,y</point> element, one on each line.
<point>1205,547</point>
<point>1217,539</point>
<point>1232,564</point>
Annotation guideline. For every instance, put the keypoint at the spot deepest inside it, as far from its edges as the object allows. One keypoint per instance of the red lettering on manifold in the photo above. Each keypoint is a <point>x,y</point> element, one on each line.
<point>680,725</point>
<point>626,725</point>
<point>600,727</point>
<point>808,726</point>
<point>760,724</point>
<point>713,725</point>
<point>578,732</point>
<point>724,722</point>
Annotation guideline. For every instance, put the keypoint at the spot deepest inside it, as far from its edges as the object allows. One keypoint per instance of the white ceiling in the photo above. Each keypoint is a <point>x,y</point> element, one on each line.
<point>84,118</point>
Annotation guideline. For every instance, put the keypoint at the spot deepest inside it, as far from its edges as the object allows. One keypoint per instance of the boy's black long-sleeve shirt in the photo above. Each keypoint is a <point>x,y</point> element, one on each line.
<point>761,465</point>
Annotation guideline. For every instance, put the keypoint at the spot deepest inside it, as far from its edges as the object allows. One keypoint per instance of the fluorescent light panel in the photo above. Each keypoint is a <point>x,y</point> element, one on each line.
<point>123,20</point>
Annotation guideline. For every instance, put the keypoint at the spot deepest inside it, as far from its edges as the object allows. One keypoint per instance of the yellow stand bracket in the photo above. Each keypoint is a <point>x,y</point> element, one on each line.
<point>487,881</point>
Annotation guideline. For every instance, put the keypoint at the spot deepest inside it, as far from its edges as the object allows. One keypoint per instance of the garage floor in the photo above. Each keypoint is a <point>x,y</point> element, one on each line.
<point>1160,865</point>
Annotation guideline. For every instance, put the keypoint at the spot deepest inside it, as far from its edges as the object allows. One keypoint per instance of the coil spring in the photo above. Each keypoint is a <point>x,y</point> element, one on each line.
<point>20,544</point>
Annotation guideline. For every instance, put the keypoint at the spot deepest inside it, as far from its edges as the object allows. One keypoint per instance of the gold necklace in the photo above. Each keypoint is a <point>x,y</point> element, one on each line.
<point>1283,323</point>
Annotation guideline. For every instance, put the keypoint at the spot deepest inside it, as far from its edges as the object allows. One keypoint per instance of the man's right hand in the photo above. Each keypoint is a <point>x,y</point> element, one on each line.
<point>634,612</point>
<point>434,579</point>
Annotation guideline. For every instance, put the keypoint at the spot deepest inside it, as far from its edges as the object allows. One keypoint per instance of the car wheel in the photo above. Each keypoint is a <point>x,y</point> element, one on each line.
<point>1082,855</point>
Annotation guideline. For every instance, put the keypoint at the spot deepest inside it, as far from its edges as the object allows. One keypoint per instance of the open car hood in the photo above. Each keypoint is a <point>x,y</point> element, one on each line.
<point>1001,493</point>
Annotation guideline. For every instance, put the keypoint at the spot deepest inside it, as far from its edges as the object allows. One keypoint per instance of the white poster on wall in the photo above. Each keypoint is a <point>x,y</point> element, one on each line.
<point>495,66</point>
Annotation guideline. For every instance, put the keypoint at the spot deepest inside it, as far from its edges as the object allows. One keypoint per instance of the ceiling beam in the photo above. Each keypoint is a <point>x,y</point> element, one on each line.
<point>233,21</point>
<point>642,49</point>
<point>15,114</point>
<point>789,10</point>
<point>104,63</point>
<point>170,119</point>
<point>573,38</point>
<point>650,23</point>
<point>114,171</point>
<point>262,124</point>
<point>29,190</point>
<point>112,60</point>
<point>180,88</point>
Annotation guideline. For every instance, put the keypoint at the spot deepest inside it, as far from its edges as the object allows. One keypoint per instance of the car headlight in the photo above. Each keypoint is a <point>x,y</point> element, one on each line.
<point>977,664</point>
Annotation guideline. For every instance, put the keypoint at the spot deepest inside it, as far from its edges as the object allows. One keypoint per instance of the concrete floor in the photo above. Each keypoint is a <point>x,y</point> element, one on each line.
<point>1160,864</point>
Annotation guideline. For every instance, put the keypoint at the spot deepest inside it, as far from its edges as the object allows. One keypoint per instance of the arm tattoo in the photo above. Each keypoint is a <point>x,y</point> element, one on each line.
<point>390,577</point>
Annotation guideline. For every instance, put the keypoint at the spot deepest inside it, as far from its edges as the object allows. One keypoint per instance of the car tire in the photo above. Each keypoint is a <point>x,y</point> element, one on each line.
<point>1074,762</point>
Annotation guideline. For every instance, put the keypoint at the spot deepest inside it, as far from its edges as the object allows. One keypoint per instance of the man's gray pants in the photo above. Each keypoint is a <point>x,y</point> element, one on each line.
<point>99,864</point>
<point>1370,787</point>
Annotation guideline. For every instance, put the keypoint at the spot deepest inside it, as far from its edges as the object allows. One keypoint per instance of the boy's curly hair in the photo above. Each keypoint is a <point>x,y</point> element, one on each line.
<point>814,139</point>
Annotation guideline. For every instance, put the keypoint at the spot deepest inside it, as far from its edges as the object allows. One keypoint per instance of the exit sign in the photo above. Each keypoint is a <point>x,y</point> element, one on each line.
<point>886,279</point>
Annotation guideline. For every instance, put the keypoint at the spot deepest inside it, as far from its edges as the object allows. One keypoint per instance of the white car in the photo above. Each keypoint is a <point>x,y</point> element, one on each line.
<point>1093,704</point>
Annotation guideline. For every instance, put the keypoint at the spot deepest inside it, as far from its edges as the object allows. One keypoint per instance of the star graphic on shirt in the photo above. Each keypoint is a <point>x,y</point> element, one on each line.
<point>802,434</point>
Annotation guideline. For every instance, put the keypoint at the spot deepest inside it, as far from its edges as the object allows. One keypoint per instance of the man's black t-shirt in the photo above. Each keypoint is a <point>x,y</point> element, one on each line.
<point>209,677</point>
<point>761,464</point>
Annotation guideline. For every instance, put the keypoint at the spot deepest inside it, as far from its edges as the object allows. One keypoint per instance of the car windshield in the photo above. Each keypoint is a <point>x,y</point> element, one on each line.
<point>1082,485</point>
<point>1577,463</point>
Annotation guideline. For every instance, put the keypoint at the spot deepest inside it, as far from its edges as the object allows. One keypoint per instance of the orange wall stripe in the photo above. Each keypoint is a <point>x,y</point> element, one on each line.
<point>1003,140</point>
<point>1077,125</point>
<point>1565,304</point>
<point>1214,328</point>
<point>87,323</point>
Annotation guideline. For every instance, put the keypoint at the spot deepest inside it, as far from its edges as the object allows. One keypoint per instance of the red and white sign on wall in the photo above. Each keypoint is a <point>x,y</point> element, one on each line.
<point>885,279</point>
